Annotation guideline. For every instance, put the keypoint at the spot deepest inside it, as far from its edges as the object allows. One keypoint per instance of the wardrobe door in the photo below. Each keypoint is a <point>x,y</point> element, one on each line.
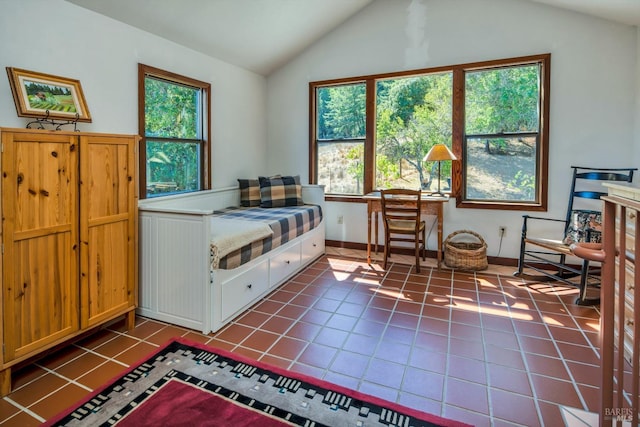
<point>40,234</point>
<point>108,227</point>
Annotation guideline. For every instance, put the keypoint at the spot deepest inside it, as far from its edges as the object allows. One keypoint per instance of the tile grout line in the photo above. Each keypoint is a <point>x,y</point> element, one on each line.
<point>415,333</point>
<point>271,316</point>
<point>55,373</point>
<point>445,383</point>
<point>351,332</point>
<point>579,328</point>
<point>417,328</point>
<point>485,362</point>
<point>22,409</point>
<point>526,363</point>
<point>360,382</point>
<point>527,370</point>
<point>68,380</point>
<point>562,358</point>
<point>283,334</point>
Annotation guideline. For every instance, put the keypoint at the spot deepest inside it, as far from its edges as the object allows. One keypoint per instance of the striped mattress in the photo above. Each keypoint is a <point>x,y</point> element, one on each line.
<point>287,223</point>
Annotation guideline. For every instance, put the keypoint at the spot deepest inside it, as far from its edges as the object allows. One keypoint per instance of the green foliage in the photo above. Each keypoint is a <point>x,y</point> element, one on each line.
<point>525,184</point>
<point>415,113</point>
<point>342,112</point>
<point>172,111</point>
<point>172,162</point>
<point>401,96</point>
<point>387,172</point>
<point>413,117</point>
<point>502,100</point>
<point>355,166</point>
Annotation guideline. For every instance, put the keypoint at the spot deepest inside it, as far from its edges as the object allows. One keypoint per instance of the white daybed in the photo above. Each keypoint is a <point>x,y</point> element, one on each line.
<point>178,282</point>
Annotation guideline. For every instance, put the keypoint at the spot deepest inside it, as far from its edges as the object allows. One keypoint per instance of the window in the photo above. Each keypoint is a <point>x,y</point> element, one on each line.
<point>373,132</point>
<point>502,134</point>
<point>174,117</point>
<point>412,115</point>
<point>341,137</point>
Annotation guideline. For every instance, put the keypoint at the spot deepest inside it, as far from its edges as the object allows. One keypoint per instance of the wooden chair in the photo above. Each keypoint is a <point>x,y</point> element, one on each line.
<point>548,256</point>
<point>402,223</point>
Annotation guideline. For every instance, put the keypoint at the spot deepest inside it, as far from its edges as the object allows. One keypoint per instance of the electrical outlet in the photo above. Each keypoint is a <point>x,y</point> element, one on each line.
<point>340,219</point>
<point>502,231</point>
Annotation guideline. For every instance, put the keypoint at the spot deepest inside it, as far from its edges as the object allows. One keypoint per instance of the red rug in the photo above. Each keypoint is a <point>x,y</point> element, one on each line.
<point>189,384</point>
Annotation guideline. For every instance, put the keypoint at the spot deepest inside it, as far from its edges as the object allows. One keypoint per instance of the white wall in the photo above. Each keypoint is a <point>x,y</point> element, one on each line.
<point>56,37</point>
<point>593,80</point>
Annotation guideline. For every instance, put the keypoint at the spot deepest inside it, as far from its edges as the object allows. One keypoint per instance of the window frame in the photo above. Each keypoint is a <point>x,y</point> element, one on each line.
<point>458,129</point>
<point>366,140</point>
<point>145,71</point>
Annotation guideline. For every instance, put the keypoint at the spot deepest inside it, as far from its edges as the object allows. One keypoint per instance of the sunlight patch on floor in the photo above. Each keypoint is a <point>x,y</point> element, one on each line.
<point>390,293</point>
<point>493,311</point>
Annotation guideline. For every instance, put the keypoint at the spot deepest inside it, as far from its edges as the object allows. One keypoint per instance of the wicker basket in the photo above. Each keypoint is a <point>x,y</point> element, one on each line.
<point>465,255</point>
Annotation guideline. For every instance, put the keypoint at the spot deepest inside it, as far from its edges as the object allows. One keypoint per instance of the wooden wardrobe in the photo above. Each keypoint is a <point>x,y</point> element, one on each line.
<point>69,238</point>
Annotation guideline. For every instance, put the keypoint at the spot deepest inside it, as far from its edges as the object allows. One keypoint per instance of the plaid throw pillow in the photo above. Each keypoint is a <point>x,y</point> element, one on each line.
<point>584,226</point>
<point>279,191</point>
<point>249,192</point>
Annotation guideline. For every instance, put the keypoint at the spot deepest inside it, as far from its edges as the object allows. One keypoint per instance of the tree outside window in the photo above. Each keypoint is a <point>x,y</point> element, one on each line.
<point>502,123</point>
<point>413,114</point>
<point>340,138</point>
<point>373,132</point>
<point>175,128</point>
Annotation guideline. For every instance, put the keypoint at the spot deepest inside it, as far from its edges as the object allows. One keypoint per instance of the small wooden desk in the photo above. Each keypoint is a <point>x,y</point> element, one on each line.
<point>430,205</point>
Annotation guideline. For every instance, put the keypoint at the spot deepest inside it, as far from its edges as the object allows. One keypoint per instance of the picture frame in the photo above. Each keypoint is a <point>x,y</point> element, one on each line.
<point>46,96</point>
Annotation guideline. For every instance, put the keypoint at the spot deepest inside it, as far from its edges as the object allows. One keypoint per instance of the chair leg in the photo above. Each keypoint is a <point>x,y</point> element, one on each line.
<point>424,246</point>
<point>386,251</point>
<point>417,253</point>
<point>582,298</point>
<point>563,261</point>
<point>523,246</point>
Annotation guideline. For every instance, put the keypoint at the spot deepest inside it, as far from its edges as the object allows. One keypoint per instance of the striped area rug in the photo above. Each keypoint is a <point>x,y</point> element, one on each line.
<point>189,384</point>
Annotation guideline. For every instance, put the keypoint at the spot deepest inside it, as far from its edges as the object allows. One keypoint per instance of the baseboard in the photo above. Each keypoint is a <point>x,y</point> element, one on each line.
<point>432,254</point>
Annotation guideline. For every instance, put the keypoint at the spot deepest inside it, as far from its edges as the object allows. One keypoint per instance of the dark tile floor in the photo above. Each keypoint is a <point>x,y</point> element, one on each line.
<point>483,348</point>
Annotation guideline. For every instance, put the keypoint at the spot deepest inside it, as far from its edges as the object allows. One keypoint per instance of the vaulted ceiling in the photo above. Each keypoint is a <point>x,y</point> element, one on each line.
<point>259,35</point>
<point>262,35</point>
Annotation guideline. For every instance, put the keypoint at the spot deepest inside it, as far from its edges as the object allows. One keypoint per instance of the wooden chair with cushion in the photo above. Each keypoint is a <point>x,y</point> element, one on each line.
<point>402,223</point>
<point>582,223</point>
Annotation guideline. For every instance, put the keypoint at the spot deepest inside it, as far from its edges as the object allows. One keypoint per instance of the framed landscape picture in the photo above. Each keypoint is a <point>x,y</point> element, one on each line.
<point>43,95</point>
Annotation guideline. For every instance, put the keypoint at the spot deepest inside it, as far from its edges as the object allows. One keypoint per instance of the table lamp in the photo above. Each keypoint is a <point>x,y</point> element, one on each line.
<point>438,153</point>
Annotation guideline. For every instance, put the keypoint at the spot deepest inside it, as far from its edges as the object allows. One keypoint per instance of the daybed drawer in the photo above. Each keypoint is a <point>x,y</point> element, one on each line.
<point>244,289</point>
<point>284,263</point>
<point>312,246</point>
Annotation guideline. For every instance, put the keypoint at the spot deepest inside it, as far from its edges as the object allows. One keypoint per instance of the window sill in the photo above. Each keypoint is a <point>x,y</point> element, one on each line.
<point>344,199</point>
<point>358,198</point>
<point>500,206</point>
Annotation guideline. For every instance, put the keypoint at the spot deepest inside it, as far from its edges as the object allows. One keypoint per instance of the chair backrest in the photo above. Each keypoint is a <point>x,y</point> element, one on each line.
<point>400,204</point>
<point>587,183</point>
